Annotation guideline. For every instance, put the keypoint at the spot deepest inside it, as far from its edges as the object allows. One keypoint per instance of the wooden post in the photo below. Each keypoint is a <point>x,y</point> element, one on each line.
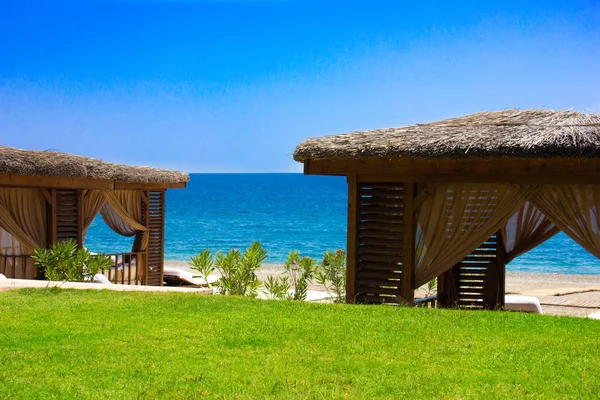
<point>162,237</point>
<point>442,300</point>
<point>352,238</point>
<point>52,218</point>
<point>408,242</point>
<point>146,208</point>
<point>80,214</point>
<point>501,260</point>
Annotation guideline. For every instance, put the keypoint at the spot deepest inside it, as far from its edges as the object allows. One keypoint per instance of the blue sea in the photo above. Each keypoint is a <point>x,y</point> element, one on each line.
<point>288,212</point>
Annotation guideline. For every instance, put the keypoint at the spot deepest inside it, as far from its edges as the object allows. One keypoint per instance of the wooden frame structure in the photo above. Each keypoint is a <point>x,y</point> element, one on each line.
<point>391,172</point>
<point>65,198</point>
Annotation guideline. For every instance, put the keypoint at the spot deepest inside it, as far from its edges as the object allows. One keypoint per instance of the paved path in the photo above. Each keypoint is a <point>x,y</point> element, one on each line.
<point>6,284</point>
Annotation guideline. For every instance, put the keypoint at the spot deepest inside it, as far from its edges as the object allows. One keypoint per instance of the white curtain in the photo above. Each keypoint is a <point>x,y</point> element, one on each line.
<point>573,209</point>
<point>525,230</point>
<point>456,218</point>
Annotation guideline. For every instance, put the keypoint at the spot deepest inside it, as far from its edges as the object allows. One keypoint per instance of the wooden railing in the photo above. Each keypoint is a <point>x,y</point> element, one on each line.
<point>127,268</point>
<point>19,267</point>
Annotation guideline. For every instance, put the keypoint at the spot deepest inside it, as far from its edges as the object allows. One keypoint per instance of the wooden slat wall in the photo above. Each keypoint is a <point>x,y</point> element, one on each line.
<point>478,279</point>
<point>67,211</point>
<point>379,242</point>
<point>156,225</point>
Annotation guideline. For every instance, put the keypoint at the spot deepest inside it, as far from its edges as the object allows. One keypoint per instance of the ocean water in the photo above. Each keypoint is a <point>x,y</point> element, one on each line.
<point>288,212</point>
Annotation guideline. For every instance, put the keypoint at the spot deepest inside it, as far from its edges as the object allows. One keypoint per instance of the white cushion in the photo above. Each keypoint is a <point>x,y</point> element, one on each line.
<point>513,302</point>
<point>99,278</point>
<point>595,315</point>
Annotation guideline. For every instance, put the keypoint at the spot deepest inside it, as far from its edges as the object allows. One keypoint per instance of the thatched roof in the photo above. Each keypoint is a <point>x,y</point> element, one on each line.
<point>507,133</point>
<point>52,163</point>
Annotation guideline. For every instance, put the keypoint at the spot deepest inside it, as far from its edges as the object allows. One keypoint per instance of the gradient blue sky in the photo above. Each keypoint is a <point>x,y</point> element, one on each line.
<point>234,86</point>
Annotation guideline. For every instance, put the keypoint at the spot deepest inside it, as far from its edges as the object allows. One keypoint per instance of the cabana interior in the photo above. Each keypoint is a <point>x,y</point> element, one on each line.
<point>460,198</point>
<point>46,197</point>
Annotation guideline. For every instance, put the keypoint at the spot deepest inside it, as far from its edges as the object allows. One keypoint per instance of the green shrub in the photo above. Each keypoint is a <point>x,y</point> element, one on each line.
<point>431,288</point>
<point>238,271</point>
<point>64,262</point>
<point>277,288</point>
<point>332,274</point>
<point>301,271</point>
<point>203,262</point>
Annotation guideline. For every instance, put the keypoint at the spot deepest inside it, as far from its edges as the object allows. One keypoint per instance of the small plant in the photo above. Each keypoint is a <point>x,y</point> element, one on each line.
<point>203,262</point>
<point>301,271</point>
<point>65,262</point>
<point>431,288</point>
<point>276,288</point>
<point>332,274</point>
<point>238,271</point>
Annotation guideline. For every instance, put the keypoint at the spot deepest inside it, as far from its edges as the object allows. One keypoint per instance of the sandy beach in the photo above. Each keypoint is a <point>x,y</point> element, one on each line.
<point>559,294</point>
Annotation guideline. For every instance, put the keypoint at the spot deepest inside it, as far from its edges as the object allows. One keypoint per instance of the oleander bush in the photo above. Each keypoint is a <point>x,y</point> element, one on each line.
<point>238,270</point>
<point>65,262</point>
<point>332,274</point>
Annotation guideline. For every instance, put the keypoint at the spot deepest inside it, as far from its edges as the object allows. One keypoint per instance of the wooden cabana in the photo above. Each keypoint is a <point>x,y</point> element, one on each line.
<point>46,196</point>
<point>458,199</point>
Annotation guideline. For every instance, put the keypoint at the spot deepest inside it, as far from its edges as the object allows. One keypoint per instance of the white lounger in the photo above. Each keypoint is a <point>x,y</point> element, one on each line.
<point>189,277</point>
<point>595,315</point>
<point>513,302</point>
<point>100,278</point>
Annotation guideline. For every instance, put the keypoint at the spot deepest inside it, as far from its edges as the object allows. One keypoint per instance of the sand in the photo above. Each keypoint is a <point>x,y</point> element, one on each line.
<point>559,294</point>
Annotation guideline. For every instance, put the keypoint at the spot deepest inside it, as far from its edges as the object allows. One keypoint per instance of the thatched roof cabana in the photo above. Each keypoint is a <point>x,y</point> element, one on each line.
<point>458,199</point>
<point>507,133</point>
<point>47,196</point>
<point>63,165</point>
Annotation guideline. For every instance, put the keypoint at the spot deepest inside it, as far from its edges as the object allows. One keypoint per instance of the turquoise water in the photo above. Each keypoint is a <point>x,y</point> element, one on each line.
<point>288,212</point>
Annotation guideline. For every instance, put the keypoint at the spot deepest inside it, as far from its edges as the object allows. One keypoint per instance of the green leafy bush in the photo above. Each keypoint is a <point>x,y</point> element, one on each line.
<point>204,263</point>
<point>431,288</point>
<point>64,262</point>
<point>238,271</point>
<point>276,288</point>
<point>332,274</point>
<point>301,271</point>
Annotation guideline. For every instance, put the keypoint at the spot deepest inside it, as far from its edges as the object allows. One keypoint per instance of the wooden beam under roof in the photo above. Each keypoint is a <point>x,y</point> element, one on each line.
<point>499,170</point>
<point>43,181</point>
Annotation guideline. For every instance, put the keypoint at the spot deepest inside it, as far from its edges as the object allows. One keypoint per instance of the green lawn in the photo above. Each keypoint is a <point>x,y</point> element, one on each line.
<point>103,344</point>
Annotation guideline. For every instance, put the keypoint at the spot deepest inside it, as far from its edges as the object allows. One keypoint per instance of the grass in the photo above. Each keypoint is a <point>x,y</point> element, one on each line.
<point>104,344</point>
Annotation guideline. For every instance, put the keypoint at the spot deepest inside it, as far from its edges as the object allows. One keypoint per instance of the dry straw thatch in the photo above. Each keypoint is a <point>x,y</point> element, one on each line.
<point>507,133</point>
<point>52,163</point>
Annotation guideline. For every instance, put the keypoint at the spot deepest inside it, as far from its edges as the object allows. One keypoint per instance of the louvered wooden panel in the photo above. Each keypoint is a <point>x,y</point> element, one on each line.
<point>67,214</point>
<point>475,277</point>
<point>477,282</point>
<point>379,242</point>
<point>156,226</point>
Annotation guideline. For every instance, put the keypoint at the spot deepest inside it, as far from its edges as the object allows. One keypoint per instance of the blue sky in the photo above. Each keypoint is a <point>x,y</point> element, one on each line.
<point>234,86</point>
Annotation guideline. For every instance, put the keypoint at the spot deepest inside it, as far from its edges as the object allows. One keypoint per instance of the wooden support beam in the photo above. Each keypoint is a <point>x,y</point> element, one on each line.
<point>424,194</point>
<point>162,244</point>
<point>408,241</point>
<point>80,217</point>
<point>19,180</point>
<point>144,196</point>
<point>146,223</point>
<point>351,246</point>
<point>498,170</point>
<point>500,261</point>
<point>149,186</point>
<point>51,209</point>
<point>46,194</point>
